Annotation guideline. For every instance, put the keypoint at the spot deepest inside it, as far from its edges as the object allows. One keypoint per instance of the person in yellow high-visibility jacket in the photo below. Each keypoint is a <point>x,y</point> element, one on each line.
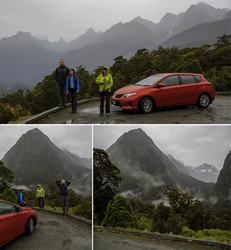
<point>40,194</point>
<point>105,82</point>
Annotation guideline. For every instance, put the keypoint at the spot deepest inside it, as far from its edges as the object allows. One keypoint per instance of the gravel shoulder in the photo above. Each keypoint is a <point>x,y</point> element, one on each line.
<point>127,242</point>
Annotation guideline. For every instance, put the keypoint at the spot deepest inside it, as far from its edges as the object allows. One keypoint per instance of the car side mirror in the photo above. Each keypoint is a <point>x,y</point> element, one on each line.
<point>18,209</point>
<point>161,85</point>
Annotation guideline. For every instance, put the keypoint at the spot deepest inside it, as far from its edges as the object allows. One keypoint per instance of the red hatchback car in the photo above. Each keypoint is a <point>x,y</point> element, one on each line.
<point>14,221</point>
<point>164,90</point>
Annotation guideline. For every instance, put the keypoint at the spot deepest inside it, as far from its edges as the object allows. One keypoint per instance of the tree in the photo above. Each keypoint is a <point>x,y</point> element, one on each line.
<point>224,216</point>
<point>6,177</point>
<point>45,94</point>
<point>86,81</point>
<point>74,199</point>
<point>9,195</point>
<point>53,197</point>
<point>106,180</point>
<point>195,214</point>
<point>160,218</point>
<point>179,202</point>
<point>5,113</point>
<point>120,214</point>
<point>84,209</point>
<point>223,42</point>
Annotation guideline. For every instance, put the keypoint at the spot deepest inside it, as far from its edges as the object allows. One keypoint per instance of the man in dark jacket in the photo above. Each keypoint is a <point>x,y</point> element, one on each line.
<point>61,74</point>
<point>63,188</point>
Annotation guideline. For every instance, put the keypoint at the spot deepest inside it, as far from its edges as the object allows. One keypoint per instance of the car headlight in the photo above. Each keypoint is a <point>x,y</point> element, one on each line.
<point>128,95</point>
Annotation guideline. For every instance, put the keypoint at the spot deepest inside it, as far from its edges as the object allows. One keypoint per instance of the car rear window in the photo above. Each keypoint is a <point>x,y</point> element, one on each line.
<point>189,79</point>
<point>198,78</point>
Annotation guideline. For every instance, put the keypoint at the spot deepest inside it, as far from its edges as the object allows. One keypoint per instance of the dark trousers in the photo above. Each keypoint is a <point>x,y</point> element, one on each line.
<point>62,94</point>
<point>73,96</point>
<point>41,201</point>
<point>22,204</point>
<point>64,199</point>
<point>107,95</point>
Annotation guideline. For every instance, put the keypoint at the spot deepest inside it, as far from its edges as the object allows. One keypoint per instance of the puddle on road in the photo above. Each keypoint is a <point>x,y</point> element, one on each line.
<point>95,110</point>
<point>49,222</point>
<point>90,110</point>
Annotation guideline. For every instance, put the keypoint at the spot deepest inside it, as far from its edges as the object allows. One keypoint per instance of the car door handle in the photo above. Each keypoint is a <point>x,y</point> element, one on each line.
<point>1,221</point>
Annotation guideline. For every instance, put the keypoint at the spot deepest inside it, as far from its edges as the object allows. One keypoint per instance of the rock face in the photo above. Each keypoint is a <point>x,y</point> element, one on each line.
<point>222,190</point>
<point>200,34</point>
<point>35,159</point>
<point>145,169</point>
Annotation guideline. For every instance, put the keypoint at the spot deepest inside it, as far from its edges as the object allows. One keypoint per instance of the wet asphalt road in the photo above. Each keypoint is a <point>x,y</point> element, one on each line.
<point>55,232</point>
<point>105,241</point>
<point>219,112</point>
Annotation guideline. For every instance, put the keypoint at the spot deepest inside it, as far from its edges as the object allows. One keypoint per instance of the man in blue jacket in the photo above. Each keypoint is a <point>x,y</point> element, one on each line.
<point>61,74</point>
<point>72,84</point>
<point>20,198</point>
<point>63,188</point>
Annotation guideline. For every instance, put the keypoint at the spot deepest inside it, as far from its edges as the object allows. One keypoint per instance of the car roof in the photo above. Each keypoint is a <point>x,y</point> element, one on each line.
<point>168,74</point>
<point>9,202</point>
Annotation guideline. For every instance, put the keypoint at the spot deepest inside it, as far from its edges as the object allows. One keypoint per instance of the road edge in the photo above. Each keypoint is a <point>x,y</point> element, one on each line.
<point>44,114</point>
<point>165,237</point>
<point>75,217</point>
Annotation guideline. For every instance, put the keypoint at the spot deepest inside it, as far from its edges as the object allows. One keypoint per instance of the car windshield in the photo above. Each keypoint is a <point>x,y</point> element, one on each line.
<point>149,80</point>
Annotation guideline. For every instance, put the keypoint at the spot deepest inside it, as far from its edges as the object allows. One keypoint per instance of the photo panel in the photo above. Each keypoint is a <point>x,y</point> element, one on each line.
<point>153,184</point>
<point>46,187</point>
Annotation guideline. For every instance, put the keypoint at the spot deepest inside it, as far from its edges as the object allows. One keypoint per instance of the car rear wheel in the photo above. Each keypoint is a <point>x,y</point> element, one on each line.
<point>30,226</point>
<point>146,105</point>
<point>204,100</point>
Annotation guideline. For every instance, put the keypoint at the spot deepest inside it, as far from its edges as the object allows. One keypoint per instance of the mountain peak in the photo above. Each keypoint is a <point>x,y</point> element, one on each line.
<point>138,18</point>
<point>22,33</point>
<point>90,30</point>
<point>34,131</point>
<point>205,167</point>
<point>204,5</point>
<point>35,158</point>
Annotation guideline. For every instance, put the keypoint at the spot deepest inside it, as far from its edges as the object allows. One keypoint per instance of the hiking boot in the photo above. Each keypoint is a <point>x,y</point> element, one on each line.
<point>100,114</point>
<point>108,114</point>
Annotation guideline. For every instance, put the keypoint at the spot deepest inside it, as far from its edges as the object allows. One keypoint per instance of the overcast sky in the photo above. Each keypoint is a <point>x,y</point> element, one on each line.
<point>193,145</point>
<point>71,18</point>
<point>76,139</point>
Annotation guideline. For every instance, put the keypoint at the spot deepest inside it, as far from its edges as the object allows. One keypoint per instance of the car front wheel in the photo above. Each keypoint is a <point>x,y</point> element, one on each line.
<point>30,226</point>
<point>204,100</point>
<point>146,105</point>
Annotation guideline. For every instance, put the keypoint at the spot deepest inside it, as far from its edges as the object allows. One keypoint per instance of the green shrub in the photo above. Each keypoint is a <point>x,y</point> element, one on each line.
<point>84,210</point>
<point>9,195</point>
<point>144,224</point>
<point>188,232</point>
<point>208,234</point>
<point>120,214</point>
